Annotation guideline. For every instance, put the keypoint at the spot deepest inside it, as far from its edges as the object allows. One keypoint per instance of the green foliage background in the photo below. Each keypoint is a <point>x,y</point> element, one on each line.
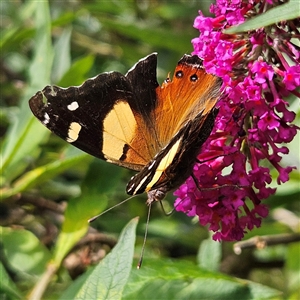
<point>64,43</point>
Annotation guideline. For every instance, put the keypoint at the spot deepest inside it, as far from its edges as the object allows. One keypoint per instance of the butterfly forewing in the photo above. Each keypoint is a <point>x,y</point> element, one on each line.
<point>107,116</point>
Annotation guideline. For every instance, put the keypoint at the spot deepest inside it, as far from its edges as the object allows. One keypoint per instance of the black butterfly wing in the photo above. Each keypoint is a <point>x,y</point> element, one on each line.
<point>107,116</point>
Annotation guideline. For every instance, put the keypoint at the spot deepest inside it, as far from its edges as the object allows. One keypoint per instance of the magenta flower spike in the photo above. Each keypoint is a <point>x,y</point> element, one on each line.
<point>259,68</point>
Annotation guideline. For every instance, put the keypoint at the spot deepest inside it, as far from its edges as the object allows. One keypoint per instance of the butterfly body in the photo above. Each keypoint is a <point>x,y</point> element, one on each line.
<point>132,121</point>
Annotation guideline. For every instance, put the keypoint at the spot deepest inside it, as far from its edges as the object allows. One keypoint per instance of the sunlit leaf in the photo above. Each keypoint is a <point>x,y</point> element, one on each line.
<point>284,12</point>
<point>108,279</point>
<point>183,280</point>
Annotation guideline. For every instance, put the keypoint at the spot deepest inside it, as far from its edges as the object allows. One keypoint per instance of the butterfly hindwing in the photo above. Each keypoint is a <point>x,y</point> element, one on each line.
<point>173,164</point>
<point>186,113</point>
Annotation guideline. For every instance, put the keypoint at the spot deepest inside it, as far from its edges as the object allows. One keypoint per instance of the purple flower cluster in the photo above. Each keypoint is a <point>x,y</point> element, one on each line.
<point>259,69</point>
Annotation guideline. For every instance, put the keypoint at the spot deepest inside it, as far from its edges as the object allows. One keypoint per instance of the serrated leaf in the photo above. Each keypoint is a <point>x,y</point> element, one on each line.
<point>77,284</point>
<point>108,279</point>
<point>166,279</point>
<point>284,12</point>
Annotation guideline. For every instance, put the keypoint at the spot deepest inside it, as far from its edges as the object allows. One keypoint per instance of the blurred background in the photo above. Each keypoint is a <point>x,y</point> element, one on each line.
<point>64,44</point>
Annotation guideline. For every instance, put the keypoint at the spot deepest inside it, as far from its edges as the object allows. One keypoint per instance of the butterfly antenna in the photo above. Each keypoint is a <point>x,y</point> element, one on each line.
<point>104,212</point>
<point>145,237</point>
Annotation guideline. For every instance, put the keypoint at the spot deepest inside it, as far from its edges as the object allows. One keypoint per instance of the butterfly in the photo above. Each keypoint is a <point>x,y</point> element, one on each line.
<point>131,121</point>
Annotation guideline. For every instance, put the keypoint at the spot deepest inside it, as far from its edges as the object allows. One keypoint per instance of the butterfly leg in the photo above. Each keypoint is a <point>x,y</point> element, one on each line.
<point>214,157</point>
<point>216,187</point>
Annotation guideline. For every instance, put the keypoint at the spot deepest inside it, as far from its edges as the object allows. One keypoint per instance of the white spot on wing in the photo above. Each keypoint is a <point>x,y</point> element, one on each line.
<point>46,119</point>
<point>73,106</point>
<point>152,164</point>
<point>73,133</point>
<point>139,186</point>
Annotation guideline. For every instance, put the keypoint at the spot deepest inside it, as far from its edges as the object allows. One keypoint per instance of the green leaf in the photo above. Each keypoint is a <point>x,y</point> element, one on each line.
<point>117,8</point>
<point>284,12</point>
<point>100,180</point>
<point>108,279</point>
<point>44,173</point>
<point>75,287</point>
<point>157,37</point>
<point>62,55</point>
<point>24,134</point>
<point>166,279</point>
<point>8,289</point>
<point>210,254</point>
<point>15,32</point>
<point>292,267</point>
<point>24,251</point>
<point>76,75</point>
